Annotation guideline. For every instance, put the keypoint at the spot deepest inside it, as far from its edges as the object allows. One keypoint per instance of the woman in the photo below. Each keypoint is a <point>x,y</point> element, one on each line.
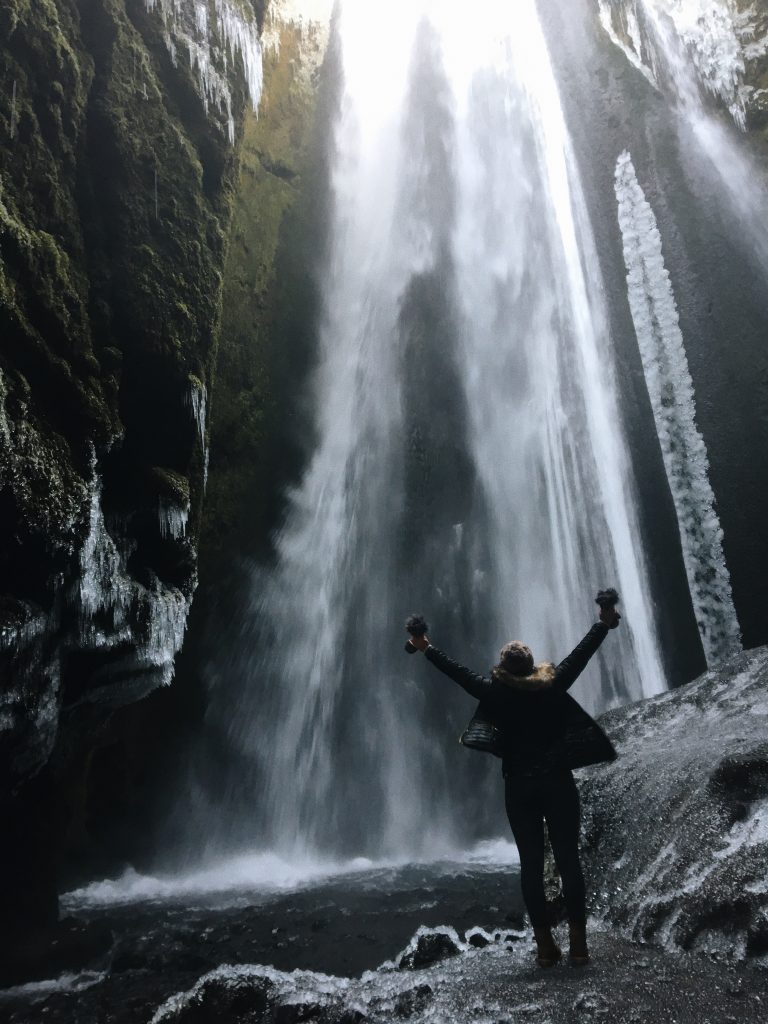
<point>543,735</point>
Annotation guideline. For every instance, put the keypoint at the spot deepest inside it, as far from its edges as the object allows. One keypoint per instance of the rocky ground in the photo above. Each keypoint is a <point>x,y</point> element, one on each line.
<point>499,983</point>
<point>341,927</point>
<point>675,847</point>
<point>419,943</point>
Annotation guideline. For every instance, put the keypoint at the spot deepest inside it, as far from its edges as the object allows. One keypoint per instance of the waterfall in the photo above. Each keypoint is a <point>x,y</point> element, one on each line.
<point>671,391</point>
<point>469,459</point>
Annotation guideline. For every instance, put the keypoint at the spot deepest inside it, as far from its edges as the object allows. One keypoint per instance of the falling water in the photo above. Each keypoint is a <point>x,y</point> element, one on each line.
<point>469,459</point>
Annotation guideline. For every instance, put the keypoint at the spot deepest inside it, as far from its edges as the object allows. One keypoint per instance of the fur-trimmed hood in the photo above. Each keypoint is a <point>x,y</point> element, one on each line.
<point>542,678</point>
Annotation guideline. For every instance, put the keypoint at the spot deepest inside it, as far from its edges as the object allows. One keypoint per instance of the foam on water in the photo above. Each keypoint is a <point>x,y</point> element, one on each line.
<point>66,983</point>
<point>267,873</point>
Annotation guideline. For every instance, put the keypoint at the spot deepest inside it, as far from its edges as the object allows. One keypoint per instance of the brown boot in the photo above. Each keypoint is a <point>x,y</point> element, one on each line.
<point>547,950</point>
<point>578,953</point>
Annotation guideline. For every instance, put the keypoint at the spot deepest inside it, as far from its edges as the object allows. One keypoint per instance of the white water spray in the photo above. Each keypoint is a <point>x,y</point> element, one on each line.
<point>671,392</point>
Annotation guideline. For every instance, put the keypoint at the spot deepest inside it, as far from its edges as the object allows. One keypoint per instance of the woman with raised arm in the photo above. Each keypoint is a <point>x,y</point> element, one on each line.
<point>542,735</point>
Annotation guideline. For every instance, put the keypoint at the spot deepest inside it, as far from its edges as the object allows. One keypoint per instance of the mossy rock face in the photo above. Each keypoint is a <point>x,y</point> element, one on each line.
<point>116,193</point>
<point>269,301</point>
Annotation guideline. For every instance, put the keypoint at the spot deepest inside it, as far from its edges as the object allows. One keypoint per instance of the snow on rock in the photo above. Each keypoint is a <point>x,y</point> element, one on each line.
<point>676,830</point>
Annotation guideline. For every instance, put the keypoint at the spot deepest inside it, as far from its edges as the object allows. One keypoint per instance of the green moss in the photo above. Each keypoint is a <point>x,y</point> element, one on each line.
<point>245,401</point>
<point>169,485</point>
<point>116,192</point>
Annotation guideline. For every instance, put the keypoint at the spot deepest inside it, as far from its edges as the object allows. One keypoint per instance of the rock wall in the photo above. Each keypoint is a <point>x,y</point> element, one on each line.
<point>119,122</point>
<point>676,830</point>
<point>133,788</point>
<point>270,296</point>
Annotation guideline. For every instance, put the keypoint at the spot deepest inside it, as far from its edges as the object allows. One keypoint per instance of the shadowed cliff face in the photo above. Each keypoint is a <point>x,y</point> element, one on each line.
<point>115,199</point>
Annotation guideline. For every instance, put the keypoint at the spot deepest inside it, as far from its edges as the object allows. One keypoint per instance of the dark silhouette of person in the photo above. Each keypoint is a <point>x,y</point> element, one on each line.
<point>543,734</point>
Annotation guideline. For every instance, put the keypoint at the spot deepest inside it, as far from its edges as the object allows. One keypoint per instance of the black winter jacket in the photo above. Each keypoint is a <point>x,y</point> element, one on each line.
<point>543,729</point>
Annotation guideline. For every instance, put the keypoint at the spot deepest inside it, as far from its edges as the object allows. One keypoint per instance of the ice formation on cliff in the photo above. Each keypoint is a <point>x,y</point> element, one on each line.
<point>690,42</point>
<point>670,388</point>
<point>116,608</point>
<point>212,34</point>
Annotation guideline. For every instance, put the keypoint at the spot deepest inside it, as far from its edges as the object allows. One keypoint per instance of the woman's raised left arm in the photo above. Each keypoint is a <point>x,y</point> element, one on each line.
<point>476,685</point>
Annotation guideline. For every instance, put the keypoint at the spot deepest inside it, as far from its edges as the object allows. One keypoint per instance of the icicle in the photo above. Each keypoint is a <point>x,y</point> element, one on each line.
<point>151,618</point>
<point>173,520</point>
<point>670,388</point>
<point>188,25</point>
<point>197,400</point>
<point>633,53</point>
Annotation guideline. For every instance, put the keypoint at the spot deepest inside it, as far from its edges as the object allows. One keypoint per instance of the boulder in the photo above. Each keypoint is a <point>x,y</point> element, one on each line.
<point>429,946</point>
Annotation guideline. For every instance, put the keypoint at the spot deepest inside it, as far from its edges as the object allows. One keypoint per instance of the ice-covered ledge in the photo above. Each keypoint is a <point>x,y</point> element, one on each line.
<point>676,830</point>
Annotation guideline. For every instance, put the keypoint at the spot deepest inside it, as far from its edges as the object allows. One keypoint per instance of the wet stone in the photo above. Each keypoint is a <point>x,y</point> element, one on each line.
<point>591,1004</point>
<point>220,999</point>
<point>352,1017</point>
<point>413,1001</point>
<point>295,1013</point>
<point>429,950</point>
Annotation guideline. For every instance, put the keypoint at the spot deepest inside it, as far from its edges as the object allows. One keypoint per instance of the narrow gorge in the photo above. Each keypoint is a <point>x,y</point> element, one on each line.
<point>314,315</point>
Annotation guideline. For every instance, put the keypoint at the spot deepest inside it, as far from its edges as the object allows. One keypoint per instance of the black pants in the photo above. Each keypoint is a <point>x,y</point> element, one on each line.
<point>529,802</point>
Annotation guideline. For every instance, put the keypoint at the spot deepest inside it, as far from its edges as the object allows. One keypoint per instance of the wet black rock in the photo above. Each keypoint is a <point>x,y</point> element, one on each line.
<point>413,1001</point>
<point>68,946</point>
<point>477,938</point>
<point>352,1017</point>
<point>676,830</point>
<point>231,998</point>
<point>429,948</point>
<point>297,1013</point>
